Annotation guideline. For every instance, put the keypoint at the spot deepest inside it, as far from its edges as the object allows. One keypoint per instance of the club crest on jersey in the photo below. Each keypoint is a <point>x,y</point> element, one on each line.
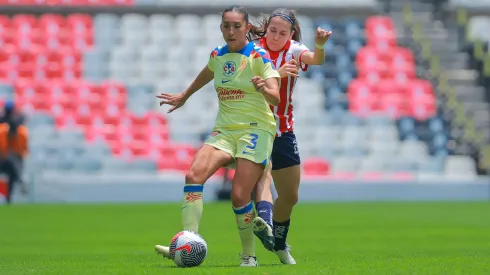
<point>229,68</point>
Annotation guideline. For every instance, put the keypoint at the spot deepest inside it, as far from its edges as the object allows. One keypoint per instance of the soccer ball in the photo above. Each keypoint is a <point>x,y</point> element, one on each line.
<point>188,249</point>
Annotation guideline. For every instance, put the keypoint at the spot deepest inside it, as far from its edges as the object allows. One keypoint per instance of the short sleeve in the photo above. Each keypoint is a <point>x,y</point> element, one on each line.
<point>263,66</point>
<point>298,50</point>
<point>211,61</point>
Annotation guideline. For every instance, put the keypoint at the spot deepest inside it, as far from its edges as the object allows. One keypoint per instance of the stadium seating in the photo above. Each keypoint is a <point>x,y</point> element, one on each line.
<point>89,86</point>
<point>462,108</point>
<point>475,99</point>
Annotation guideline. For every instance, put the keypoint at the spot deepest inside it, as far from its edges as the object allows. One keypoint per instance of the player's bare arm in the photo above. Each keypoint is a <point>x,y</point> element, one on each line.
<point>269,87</point>
<point>178,100</point>
<point>317,57</point>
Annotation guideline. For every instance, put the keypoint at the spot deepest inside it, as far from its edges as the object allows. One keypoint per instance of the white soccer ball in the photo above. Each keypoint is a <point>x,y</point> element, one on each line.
<point>188,249</point>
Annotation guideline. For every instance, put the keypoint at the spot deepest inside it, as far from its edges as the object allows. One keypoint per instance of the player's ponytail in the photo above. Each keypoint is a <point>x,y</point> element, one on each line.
<point>256,32</point>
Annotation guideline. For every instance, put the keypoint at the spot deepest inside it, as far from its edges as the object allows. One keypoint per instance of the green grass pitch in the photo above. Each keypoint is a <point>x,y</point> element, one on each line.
<point>337,238</point>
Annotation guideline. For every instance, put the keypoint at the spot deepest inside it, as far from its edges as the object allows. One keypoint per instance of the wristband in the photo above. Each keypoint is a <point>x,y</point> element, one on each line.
<point>318,46</point>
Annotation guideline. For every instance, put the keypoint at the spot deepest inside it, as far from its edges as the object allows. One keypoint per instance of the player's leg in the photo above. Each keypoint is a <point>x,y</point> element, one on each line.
<point>216,153</point>
<point>263,196</point>
<point>253,155</point>
<point>207,161</point>
<point>288,180</point>
<point>286,175</point>
<point>8,169</point>
<point>246,176</point>
<point>263,221</point>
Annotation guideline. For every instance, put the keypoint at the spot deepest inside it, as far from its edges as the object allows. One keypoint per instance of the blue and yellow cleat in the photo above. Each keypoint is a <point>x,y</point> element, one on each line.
<point>263,231</point>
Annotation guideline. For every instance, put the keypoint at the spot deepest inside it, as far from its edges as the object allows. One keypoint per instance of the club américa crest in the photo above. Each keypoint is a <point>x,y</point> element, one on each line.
<point>229,68</point>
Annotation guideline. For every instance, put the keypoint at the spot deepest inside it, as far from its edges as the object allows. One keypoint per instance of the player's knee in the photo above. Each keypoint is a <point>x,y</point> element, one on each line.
<point>239,198</point>
<point>195,177</point>
<point>293,200</point>
<point>290,198</point>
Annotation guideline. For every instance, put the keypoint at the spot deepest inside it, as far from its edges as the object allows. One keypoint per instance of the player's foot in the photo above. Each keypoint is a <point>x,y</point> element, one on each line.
<point>249,261</point>
<point>285,256</point>
<point>162,250</point>
<point>264,232</point>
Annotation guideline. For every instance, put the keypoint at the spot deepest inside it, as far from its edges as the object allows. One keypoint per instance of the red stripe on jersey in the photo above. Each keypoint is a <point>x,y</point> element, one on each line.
<point>214,53</point>
<point>284,111</point>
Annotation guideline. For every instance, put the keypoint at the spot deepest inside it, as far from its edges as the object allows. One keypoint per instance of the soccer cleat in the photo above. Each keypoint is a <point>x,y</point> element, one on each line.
<point>162,250</point>
<point>249,261</point>
<point>285,256</point>
<point>263,231</point>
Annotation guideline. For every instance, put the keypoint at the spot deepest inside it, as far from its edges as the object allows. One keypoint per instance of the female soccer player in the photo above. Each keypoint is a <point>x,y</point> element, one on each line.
<point>247,84</point>
<point>280,35</point>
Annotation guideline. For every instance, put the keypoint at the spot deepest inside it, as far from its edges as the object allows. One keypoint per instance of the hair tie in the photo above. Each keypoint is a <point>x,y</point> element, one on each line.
<point>283,16</point>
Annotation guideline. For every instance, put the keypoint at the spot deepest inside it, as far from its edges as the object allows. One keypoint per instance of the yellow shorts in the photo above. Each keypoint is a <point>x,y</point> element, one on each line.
<point>250,144</point>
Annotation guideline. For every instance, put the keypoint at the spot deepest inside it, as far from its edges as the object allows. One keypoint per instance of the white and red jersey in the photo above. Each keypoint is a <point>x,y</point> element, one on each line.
<point>284,111</point>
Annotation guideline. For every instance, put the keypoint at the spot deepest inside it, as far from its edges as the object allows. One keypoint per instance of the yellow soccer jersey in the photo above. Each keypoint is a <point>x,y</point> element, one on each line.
<point>240,105</point>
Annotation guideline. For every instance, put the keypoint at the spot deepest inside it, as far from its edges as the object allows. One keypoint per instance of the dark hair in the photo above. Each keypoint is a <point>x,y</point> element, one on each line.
<point>239,9</point>
<point>260,31</point>
<point>242,10</point>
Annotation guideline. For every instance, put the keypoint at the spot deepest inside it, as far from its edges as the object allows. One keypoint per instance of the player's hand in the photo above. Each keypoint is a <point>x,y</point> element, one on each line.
<point>259,83</point>
<point>322,36</point>
<point>289,68</point>
<point>175,100</point>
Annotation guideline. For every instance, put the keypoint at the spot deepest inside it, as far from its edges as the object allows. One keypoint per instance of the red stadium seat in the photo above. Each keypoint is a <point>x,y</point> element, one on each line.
<point>371,176</point>
<point>387,87</point>
<point>67,2</point>
<point>359,89</point>
<point>400,57</point>
<point>4,22</point>
<point>374,21</point>
<point>423,109</point>
<point>24,23</point>
<point>139,148</point>
<point>419,87</point>
<point>8,56</point>
<point>362,107</point>
<point>402,176</point>
<point>316,167</point>
<point>79,23</point>
<point>393,105</point>
<point>342,176</point>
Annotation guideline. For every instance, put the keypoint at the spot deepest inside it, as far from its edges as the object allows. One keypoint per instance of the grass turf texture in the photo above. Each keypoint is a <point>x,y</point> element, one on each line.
<point>350,238</point>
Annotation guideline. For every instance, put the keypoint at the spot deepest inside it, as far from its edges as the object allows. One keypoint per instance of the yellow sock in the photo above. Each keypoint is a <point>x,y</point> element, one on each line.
<point>192,207</point>
<point>244,217</point>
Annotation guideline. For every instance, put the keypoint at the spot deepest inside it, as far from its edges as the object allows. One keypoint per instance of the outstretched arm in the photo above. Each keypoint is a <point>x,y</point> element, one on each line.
<point>178,100</point>
<point>203,78</point>
<point>317,57</point>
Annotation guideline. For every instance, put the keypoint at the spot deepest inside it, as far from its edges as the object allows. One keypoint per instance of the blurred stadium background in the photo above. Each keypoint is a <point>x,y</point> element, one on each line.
<point>400,110</point>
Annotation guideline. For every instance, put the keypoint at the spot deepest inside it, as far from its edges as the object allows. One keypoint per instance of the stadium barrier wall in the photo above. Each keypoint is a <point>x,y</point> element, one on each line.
<point>152,188</point>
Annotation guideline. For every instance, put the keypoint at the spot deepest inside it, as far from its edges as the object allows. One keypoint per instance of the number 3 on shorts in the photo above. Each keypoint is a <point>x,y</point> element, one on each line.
<point>253,141</point>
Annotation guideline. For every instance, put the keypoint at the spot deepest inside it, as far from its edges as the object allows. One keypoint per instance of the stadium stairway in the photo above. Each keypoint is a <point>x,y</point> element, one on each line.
<point>463,101</point>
